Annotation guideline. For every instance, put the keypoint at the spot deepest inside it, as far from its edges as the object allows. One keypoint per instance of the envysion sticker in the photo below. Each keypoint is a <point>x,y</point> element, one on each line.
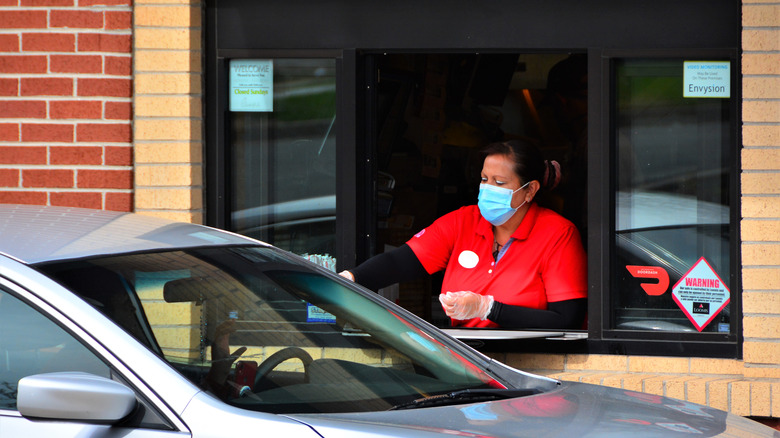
<point>468,259</point>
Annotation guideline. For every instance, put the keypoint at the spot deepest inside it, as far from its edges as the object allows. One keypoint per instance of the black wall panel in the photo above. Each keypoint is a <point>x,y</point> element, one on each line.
<point>468,24</point>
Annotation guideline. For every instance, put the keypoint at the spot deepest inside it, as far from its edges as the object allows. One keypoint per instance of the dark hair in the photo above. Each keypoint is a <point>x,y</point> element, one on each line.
<point>528,160</point>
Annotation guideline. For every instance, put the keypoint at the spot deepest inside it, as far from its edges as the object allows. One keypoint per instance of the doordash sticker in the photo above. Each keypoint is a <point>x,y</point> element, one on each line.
<point>652,272</point>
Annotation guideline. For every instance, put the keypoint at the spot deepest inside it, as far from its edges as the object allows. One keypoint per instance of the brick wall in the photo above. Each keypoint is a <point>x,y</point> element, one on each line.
<point>65,103</point>
<point>761,182</point>
<point>168,109</point>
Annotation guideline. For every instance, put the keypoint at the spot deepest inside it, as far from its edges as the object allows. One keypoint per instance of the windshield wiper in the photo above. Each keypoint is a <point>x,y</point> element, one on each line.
<point>465,396</point>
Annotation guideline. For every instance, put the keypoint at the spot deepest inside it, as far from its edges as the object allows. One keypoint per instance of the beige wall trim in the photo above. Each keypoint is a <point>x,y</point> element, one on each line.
<point>168,109</point>
<point>730,385</point>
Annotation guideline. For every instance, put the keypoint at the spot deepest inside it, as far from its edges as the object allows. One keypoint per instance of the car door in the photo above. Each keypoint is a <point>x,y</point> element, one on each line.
<point>33,343</point>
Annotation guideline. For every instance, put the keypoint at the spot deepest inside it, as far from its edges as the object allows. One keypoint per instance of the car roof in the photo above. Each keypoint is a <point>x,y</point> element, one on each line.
<point>37,234</point>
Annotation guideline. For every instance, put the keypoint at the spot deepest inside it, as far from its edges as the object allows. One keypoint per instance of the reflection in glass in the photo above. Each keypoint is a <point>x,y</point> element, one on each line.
<point>282,163</point>
<point>32,344</point>
<point>263,331</point>
<point>672,200</point>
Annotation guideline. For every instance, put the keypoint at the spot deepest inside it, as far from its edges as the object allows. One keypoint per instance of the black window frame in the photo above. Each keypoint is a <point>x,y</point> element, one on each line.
<point>601,216</point>
<point>217,192</point>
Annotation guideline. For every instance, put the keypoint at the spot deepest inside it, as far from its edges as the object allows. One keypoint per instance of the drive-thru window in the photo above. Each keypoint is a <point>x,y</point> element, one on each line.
<point>339,136</point>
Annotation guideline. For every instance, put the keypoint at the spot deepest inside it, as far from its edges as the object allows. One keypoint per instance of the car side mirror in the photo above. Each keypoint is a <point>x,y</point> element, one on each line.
<point>74,396</point>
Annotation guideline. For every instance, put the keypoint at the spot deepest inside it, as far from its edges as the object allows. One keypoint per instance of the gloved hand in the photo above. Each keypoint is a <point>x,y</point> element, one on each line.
<point>348,275</point>
<point>466,305</point>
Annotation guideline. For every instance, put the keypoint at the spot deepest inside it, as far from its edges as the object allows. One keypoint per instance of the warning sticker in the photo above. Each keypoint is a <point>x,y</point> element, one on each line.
<point>701,294</point>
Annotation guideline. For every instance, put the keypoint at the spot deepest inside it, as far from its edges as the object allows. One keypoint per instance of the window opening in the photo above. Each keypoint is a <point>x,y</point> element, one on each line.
<point>435,112</point>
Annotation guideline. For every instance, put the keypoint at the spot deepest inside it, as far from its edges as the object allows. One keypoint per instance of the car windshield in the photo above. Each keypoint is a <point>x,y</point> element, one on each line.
<point>266,331</point>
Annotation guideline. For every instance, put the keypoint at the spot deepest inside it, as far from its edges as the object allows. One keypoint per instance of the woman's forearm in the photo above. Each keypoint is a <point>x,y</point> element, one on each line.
<point>394,266</point>
<point>568,314</point>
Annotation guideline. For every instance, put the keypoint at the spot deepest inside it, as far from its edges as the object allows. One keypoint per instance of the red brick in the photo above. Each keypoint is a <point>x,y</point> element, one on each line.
<point>119,156</point>
<point>84,155</point>
<point>105,87</point>
<point>76,19</point>
<point>22,155</point>
<point>9,87</point>
<point>118,65</point>
<point>9,2</point>
<point>118,20</point>
<point>119,201</point>
<point>48,42</point>
<point>104,2</point>
<point>23,19</point>
<point>21,109</point>
<point>39,178</point>
<point>98,42</point>
<point>47,3</point>
<point>119,110</point>
<point>77,199</point>
<point>105,179</point>
<point>76,64</point>
<point>75,109</point>
<point>46,87</point>
<point>107,132</point>
<point>9,177</point>
<point>47,132</point>
<point>23,64</point>
<point>9,132</point>
<point>9,43</point>
<point>33,198</point>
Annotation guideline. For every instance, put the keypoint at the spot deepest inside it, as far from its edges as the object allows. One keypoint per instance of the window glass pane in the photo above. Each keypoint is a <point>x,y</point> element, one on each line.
<point>671,262</point>
<point>32,344</point>
<point>282,162</point>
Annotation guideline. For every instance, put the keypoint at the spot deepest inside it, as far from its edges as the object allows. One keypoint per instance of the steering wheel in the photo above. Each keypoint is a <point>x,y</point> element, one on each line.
<point>280,356</point>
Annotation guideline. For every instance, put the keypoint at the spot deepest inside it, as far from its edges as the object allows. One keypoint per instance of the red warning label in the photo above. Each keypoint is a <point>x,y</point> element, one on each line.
<point>701,294</point>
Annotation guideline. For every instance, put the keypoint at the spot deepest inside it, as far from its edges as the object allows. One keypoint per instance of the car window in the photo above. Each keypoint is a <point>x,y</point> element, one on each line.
<point>267,331</point>
<point>31,344</point>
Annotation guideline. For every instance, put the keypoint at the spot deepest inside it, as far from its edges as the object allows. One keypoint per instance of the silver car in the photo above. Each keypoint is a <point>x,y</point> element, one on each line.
<point>121,325</point>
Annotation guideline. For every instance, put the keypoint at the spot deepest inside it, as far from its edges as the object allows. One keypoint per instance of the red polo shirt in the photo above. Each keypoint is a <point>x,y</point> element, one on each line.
<point>545,263</point>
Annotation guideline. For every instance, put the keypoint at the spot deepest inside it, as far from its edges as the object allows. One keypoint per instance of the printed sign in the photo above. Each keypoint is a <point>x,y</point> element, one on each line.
<point>707,79</point>
<point>701,294</point>
<point>315,314</point>
<point>251,85</point>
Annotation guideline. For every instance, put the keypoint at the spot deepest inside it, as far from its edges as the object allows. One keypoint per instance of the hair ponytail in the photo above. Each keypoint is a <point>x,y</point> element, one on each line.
<point>552,174</point>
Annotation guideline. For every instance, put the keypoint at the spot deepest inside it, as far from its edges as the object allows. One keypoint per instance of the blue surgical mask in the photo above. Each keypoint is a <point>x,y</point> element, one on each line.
<point>495,203</point>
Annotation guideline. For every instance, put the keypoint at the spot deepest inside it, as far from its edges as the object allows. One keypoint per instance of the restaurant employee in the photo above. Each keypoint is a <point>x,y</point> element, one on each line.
<point>507,261</point>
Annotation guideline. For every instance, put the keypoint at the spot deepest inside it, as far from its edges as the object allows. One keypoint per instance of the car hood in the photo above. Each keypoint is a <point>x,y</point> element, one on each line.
<point>574,410</point>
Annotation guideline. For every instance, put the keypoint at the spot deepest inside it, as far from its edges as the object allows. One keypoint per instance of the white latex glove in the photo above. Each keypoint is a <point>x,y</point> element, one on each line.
<point>348,275</point>
<point>466,305</point>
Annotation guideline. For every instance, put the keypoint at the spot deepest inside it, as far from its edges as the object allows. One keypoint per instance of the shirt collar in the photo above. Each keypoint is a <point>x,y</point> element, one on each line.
<point>521,233</point>
<point>529,220</point>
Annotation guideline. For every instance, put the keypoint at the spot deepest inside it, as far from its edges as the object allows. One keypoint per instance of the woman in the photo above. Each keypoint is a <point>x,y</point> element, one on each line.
<point>507,261</point>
